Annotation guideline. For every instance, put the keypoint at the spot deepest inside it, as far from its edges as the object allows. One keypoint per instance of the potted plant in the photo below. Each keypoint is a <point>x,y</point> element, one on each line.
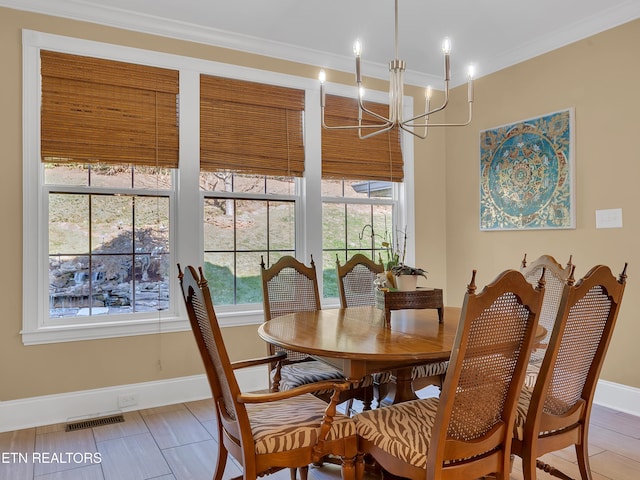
<point>406,277</point>
<point>399,275</point>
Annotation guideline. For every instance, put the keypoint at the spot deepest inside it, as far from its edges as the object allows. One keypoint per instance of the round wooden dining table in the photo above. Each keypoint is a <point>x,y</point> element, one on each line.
<point>359,342</point>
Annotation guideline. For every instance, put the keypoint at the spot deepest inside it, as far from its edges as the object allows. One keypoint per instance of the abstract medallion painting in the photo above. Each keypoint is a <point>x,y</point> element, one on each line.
<point>526,174</point>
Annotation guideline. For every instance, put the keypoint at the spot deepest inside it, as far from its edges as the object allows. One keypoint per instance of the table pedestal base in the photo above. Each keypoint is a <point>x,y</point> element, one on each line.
<point>399,389</point>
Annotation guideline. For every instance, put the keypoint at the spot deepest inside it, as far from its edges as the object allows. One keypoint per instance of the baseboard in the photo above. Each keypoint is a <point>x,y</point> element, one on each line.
<point>619,397</point>
<point>60,408</point>
<point>50,409</point>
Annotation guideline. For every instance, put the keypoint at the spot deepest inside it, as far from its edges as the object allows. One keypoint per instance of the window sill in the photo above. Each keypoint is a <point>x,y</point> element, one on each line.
<point>96,331</point>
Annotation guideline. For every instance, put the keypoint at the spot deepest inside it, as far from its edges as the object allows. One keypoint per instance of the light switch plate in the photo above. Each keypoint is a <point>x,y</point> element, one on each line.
<point>611,218</point>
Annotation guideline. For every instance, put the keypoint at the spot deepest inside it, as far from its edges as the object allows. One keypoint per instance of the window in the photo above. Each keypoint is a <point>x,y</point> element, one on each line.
<point>360,189</point>
<point>247,219</point>
<point>109,133</point>
<point>108,215</point>
<point>101,147</point>
<point>109,248</point>
<point>251,152</point>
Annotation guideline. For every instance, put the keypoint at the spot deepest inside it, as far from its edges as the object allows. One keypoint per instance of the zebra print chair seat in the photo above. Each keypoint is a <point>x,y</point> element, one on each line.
<point>297,374</point>
<point>264,432</point>
<point>432,371</point>
<point>466,432</point>
<point>555,413</point>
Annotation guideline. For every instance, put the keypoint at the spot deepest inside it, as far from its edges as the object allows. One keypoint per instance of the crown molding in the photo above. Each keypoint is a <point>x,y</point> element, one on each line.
<point>120,18</point>
<point>611,18</point>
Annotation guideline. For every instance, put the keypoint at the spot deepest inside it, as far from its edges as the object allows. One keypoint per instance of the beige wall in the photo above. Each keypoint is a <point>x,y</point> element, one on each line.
<point>449,243</point>
<point>599,78</point>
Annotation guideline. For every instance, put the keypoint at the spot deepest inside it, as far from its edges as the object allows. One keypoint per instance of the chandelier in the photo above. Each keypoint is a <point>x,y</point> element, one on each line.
<point>417,125</point>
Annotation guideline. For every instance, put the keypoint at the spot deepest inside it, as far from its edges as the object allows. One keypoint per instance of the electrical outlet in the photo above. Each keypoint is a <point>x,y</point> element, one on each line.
<point>127,400</point>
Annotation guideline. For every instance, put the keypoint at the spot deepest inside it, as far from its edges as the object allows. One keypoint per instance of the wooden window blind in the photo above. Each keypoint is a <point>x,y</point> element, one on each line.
<point>346,156</point>
<point>96,110</point>
<point>251,127</point>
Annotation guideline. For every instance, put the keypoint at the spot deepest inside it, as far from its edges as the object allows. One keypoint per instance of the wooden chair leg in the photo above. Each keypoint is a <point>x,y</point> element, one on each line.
<point>554,472</point>
<point>582,454</point>
<point>304,472</point>
<point>360,467</point>
<point>221,462</point>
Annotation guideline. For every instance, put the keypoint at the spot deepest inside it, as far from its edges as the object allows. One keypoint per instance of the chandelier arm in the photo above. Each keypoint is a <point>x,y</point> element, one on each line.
<point>426,125</point>
<point>426,114</point>
<point>377,132</point>
<point>409,129</point>
<point>373,114</point>
<point>355,127</point>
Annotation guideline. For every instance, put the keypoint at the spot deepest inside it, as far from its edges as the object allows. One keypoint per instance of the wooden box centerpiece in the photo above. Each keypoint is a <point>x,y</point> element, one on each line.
<point>421,297</point>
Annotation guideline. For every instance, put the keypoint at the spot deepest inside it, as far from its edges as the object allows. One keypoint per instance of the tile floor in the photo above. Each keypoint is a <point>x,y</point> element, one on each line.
<point>177,442</point>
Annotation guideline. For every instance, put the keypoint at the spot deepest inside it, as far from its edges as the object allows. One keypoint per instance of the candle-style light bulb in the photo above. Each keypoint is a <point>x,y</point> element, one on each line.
<point>357,48</point>
<point>427,99</point>
<point>322,76</point>
<point>471,70</point>
<point>446,46</point>
<point>446,49</point>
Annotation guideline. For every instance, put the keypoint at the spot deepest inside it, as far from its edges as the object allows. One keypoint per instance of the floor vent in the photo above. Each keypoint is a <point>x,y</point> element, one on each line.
<point>94,422</point>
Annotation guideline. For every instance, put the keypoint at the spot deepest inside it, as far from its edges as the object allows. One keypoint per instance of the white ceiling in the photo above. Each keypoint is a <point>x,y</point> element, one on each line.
<point>492,34</point>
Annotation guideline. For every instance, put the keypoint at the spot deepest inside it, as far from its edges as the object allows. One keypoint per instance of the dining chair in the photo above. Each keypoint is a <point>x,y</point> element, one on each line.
<point>264,432</point>
<point>356,288</point>
<point>356,278</point>
<point>555,413</point>
<point>290,286</point>
<point>555,279</point>
<point>465,432</point>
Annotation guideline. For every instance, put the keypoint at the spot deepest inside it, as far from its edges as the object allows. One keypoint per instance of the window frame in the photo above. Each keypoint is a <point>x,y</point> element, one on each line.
<point>186,249</point>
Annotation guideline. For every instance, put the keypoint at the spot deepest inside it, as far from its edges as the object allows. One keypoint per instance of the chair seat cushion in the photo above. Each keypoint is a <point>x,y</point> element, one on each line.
<point>420,371</point>
<point>532,375</point>
<point>388,428</point>
<point>429,370</point>
<point>297,374</point>
<point>293,423</point>
<point>300,373</point>
<point>523,408</point>
<point>521,411</point>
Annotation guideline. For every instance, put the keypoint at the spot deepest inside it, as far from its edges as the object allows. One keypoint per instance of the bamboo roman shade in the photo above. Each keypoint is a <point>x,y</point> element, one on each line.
<point>346,156</point>
<point>251,127</point>
<point>96,110</point>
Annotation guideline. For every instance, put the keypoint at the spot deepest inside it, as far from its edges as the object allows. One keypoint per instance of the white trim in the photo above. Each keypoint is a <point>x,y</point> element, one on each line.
<point>94,331</point>
<point>51,409</point>
<point>618,396</point>
<point>186,249</point>
<point>73,406</point>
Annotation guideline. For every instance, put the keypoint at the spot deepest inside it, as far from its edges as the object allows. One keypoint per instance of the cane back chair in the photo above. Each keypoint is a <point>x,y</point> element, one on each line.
<point>290,286</point>
<point>264,432</point>
<point>466,432</point>
<point>356,288</point>
<point>555,413</point>
<point>555,279</point>
<point>356,278</point>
